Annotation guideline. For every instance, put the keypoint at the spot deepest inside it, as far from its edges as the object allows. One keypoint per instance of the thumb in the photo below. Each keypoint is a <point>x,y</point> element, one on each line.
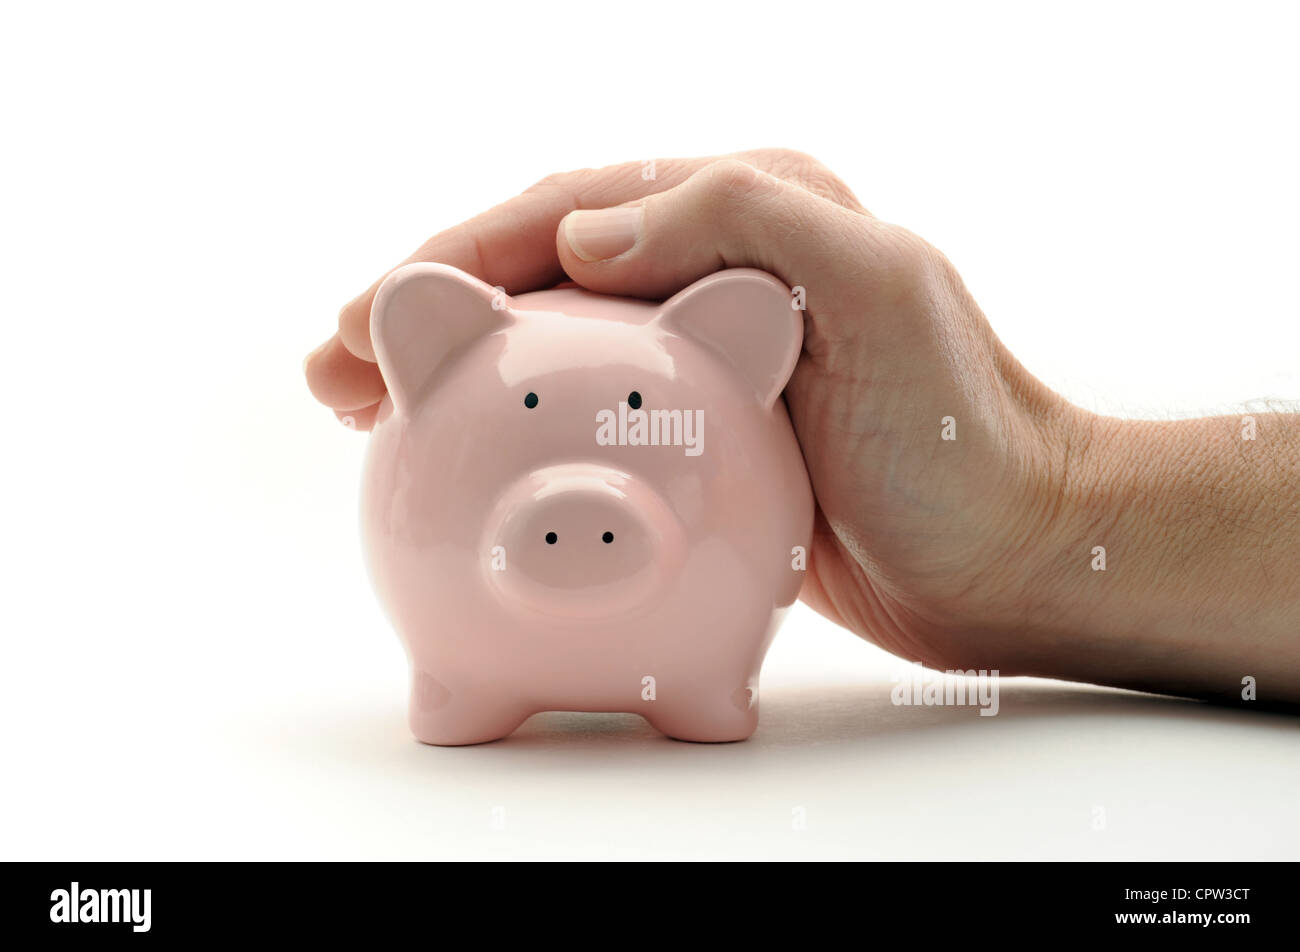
<point>727,215</point>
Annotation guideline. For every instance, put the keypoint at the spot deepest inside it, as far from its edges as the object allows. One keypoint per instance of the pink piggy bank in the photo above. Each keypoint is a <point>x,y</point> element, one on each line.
<point>584,503</point>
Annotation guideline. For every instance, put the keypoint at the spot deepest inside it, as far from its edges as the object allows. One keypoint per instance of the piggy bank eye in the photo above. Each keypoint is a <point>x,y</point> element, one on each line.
<point>530,401</point>
<point>634,400</point>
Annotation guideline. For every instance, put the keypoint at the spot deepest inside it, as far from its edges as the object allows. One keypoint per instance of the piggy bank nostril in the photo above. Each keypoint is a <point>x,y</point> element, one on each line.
<point>552,538</point>
<point>607,538</point>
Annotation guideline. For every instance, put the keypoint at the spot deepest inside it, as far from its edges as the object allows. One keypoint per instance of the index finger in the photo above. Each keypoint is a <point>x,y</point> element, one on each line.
<point>513,244</point>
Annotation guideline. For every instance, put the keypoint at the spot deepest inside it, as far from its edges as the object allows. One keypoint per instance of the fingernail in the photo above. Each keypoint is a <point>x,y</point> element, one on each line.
<point>599,234</point>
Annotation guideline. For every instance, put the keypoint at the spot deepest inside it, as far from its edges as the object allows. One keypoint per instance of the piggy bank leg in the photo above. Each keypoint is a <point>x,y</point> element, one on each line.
<point>447,718</point>
<point>707,718</point>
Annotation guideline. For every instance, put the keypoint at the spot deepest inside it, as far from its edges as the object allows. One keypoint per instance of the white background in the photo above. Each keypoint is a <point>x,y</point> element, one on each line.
<point>193,664</point>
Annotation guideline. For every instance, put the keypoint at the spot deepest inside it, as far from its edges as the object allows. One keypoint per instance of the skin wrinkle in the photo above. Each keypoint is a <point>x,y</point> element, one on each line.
<point>872,613</point>
<point>1100,519</point>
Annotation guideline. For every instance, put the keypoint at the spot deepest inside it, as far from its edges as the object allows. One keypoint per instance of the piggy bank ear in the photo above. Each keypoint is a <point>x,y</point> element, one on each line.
<point>423,315</point>
<point>747,319</point>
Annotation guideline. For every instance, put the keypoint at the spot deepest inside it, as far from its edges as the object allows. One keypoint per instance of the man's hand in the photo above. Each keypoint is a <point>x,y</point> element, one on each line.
<point>513,246</point>
<point>959,499</point>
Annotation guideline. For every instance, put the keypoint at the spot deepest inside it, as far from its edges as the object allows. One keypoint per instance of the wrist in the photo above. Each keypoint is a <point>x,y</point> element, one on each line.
<point>1068,605</point>
<point>1046,604</point>
<point>1153,567</point>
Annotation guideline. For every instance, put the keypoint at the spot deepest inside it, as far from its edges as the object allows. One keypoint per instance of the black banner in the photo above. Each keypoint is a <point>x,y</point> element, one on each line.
<point>130,902</point>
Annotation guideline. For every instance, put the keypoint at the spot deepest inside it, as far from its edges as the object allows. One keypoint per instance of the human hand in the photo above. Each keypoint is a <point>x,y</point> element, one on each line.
<point>915,534</point>
<point>958,497</point>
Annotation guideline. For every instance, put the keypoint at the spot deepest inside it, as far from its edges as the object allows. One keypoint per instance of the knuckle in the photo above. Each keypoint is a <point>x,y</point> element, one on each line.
<point>822,181</point>
<point>585,183</point>
<point>809,173</point>
<point>354,319</point>
<point>562,181</point>
<point>790,162</point>
<point>549,182</point>
<point>731,180</point>
<point>913,264</point>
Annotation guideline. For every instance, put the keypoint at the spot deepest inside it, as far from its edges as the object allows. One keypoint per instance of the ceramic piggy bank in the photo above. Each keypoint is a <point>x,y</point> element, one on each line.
<point>584,503</point>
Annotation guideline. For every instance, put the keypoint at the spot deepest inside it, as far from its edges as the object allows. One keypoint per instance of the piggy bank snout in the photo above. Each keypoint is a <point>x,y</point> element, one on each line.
<point>583,541</point>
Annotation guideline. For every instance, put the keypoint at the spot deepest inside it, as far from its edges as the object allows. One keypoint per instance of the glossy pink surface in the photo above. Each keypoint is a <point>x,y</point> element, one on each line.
<point>535,553</point>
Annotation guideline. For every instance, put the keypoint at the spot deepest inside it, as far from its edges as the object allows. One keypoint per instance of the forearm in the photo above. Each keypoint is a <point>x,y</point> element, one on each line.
<point>1174,564</point>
